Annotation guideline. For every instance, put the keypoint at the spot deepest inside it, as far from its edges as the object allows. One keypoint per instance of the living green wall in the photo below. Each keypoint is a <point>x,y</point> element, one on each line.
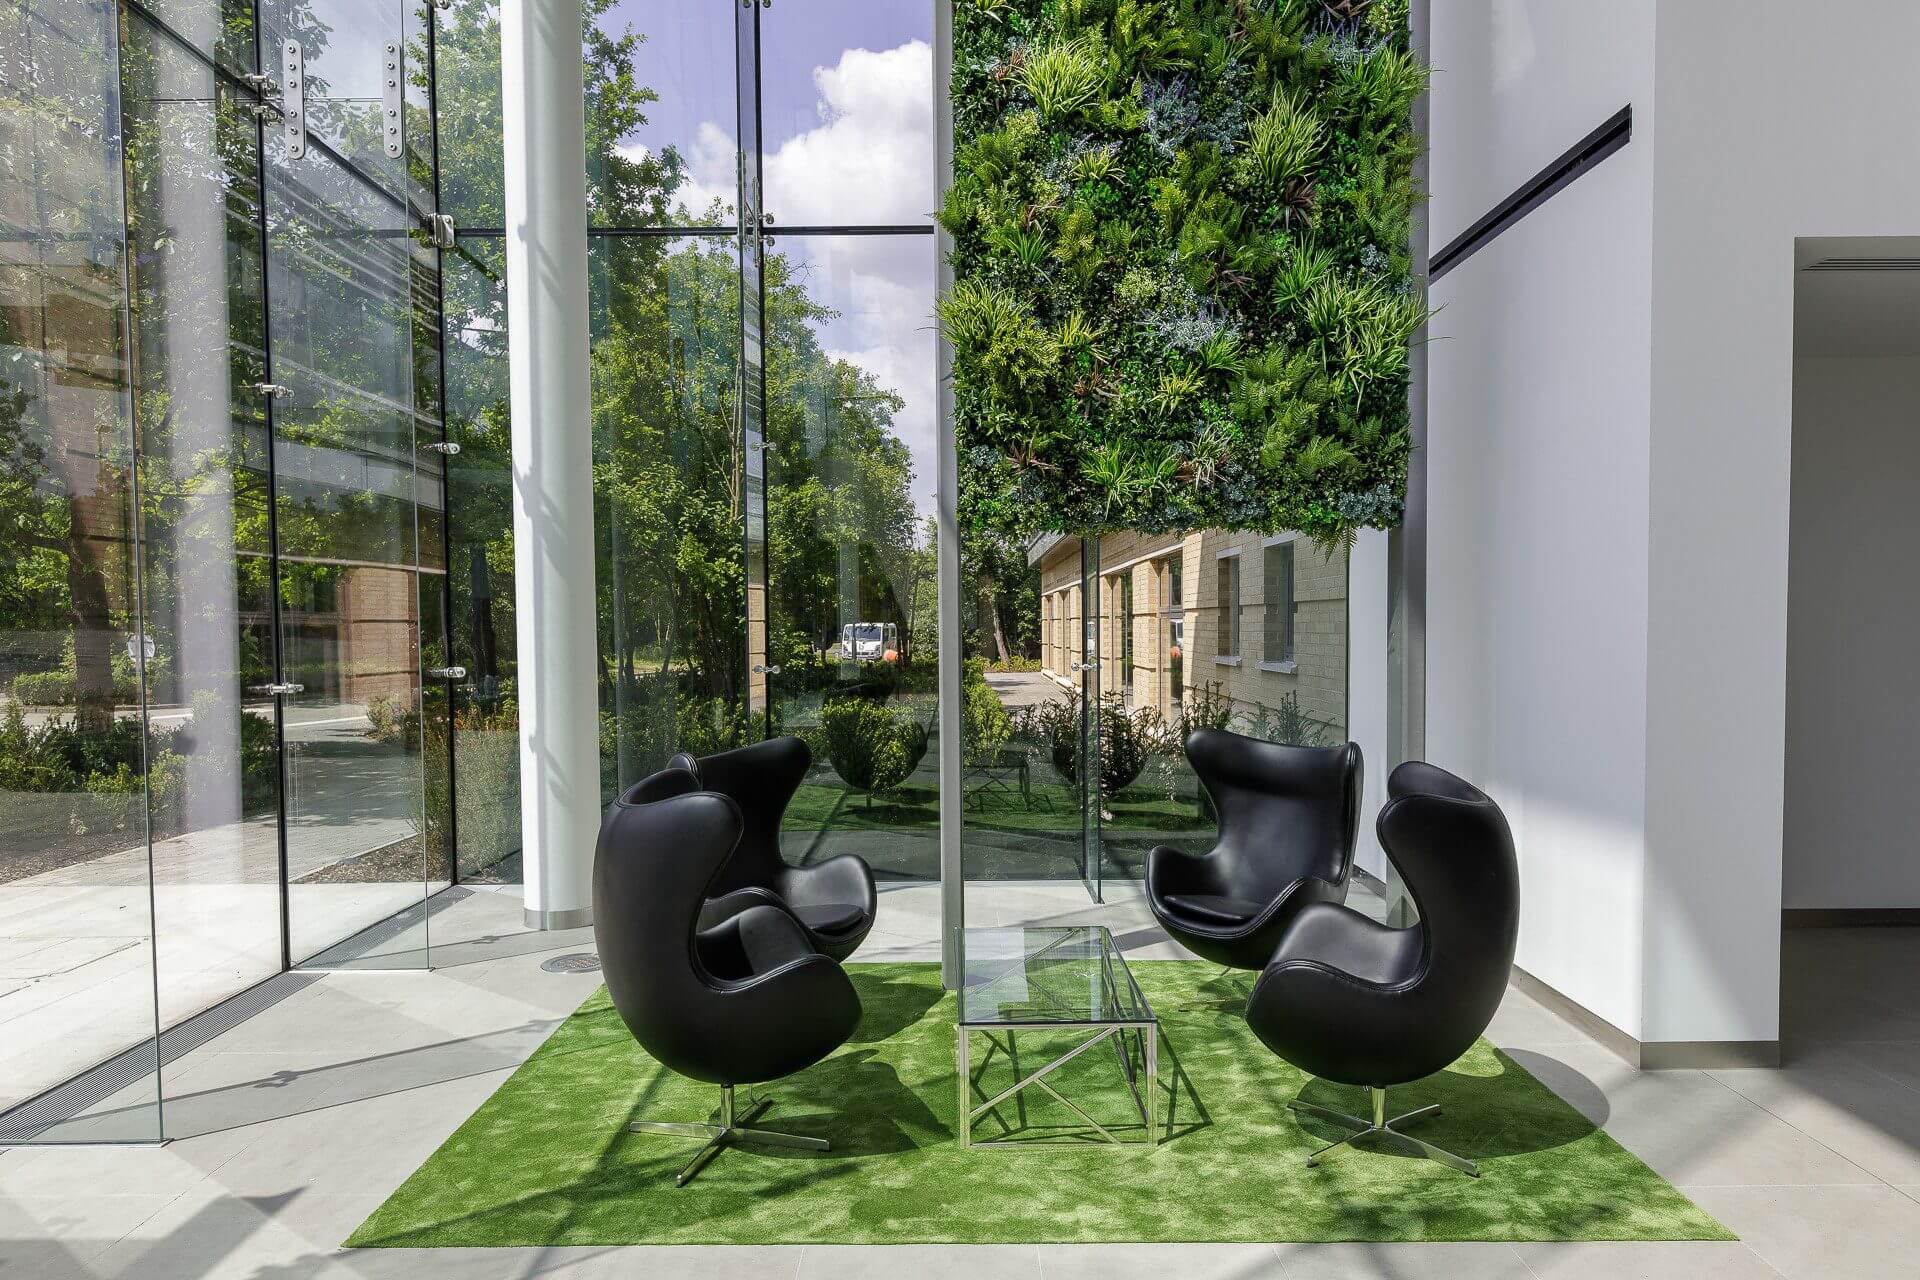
<point>1183,293</point>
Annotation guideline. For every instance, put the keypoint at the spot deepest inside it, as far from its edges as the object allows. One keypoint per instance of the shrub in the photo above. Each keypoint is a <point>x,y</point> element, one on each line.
<point>987,724</point>
<point>872,747</point>
<point>45,688</point>
<point>1128,739</point>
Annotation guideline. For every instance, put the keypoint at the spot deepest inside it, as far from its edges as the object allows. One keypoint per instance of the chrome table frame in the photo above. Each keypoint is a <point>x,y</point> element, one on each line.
<point>1128,1036</point>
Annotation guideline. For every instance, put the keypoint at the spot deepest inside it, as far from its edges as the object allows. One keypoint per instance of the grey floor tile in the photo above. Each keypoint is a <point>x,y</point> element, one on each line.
<point>1402,1262</point>
<point>71,1228</point>
<point>921,1261</point>
<point>1862,1113</point>
<point>1823,1233</point>
<point>1158,1261</point>
<point>1690,1128</point>
<point>1646,1260</point>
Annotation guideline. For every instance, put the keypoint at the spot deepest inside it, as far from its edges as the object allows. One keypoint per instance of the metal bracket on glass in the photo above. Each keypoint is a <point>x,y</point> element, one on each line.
<point>279,690</point>
<point>293,98</point>
<point>446,673</point>
<point>392,100</point>
<point>448,447</point>
<point>765,671</point>
<point>276,390</point>
<point>441,229</point>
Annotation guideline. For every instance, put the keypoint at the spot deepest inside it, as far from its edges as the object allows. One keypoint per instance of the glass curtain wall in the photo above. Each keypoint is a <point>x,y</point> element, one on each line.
<point>761,273</point>
<point>76,923</point>
<point>220,412</point>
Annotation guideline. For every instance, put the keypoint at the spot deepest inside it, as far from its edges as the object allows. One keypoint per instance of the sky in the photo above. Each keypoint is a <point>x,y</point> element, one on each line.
<point>847,113</point>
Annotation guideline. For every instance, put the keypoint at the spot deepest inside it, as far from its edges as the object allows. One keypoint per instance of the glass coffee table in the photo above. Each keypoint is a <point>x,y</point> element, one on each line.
<point>1060,981</point>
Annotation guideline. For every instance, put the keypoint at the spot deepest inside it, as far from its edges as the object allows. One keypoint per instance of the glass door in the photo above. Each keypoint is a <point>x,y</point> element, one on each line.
<point>353,315</point>
<point>1090,772</point>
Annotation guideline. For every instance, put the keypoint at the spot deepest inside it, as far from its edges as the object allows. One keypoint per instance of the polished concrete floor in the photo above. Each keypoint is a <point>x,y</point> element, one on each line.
<point>290,1127</point>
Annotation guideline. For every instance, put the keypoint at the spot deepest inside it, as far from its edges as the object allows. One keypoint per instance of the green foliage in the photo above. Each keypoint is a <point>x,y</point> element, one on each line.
<point>1183,294</point>
<point>987,724</point>
<point>873,747</point>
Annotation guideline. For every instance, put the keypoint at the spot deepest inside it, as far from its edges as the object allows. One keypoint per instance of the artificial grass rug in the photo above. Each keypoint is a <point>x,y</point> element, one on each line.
<point>548,1159</point>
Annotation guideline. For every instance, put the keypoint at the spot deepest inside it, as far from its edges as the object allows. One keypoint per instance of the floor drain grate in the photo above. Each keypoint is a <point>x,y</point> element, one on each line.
<point>577,962</point>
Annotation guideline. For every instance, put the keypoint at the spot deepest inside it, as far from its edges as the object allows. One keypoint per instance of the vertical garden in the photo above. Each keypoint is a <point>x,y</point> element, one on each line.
<point>1183,294</point>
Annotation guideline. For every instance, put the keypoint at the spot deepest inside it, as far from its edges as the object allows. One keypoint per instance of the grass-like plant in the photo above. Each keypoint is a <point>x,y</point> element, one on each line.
<point>1063,76</point>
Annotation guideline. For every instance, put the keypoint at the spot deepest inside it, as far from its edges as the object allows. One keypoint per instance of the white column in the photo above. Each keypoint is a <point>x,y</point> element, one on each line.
<point>543,101</point>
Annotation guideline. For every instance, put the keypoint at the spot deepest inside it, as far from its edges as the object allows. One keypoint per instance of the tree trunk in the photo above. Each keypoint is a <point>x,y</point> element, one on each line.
<point>92,621</point>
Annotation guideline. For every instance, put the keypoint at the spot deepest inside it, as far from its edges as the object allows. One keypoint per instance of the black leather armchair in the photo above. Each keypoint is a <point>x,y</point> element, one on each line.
<point>747,1001</point>
<point>834,901</point>
<point>1355,1002</point>
<point>1288,820</point>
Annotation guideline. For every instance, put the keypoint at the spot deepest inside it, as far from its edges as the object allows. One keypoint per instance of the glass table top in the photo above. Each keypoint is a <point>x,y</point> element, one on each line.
<point>1047,975</point>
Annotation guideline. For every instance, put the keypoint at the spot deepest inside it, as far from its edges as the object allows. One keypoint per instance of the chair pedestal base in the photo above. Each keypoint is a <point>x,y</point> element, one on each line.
<point>726,1130</point>
<point>1387,1128</point>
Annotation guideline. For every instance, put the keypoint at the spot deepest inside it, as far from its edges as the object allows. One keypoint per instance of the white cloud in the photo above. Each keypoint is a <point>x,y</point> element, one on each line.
<point>870,160</point>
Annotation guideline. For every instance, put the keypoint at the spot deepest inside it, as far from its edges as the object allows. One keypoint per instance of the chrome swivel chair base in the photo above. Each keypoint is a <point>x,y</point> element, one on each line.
<point>1389,1128</point>
<point>726,1130</point>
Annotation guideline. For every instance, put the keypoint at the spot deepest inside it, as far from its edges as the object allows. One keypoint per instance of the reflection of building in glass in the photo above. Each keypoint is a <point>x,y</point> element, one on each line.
<point>1255,618</point>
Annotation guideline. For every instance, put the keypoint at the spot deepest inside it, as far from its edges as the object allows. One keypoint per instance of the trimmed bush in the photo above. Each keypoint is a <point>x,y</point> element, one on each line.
<point>872,747</point>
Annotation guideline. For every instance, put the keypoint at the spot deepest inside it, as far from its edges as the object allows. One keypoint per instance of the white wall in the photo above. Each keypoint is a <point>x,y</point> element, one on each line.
<point>1367,720</point>
<point>1853,635</point>
<point>1775,120</point>
<point>1537,472</point>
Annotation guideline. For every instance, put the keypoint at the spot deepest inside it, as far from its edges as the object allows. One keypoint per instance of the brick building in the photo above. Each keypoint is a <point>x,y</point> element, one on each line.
<point>1260,616</point>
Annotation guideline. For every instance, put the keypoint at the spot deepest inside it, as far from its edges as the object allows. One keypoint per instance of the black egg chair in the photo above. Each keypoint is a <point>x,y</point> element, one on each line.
<point>834,900</point>
<point>747,1001</point>
<point>1353,1001</point>
<point>1288,818</point>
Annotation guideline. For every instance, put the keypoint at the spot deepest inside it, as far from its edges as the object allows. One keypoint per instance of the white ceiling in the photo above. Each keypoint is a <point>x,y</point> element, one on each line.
<point>1856,313</point>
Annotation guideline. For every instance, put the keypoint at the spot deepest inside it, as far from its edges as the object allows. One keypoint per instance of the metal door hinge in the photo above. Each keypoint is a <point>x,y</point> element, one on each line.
<point>293,98</point>
<point>276,390</point>
<point>262,110</point>
<point>448,447</point>
<point>446,673</point>
<point>392,100</point>
<point>440,227</point>
<point>279,690</point>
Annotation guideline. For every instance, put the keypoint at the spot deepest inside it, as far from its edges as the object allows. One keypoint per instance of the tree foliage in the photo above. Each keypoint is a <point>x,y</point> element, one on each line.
<point>1183,293</point>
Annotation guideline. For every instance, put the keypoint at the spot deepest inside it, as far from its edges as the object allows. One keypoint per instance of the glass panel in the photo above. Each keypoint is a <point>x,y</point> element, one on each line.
<point>753,376</point>
<point>466,85</point>
<point>343,288</point>
<point>347,46</point>
<point>853,587</point>
<point>667,499</point>
<point>667,157</point>
<point>1093,764</point>
<point>486,747</point>
<point>220,29</point>
<point>76,930</point>
<point>847,113</point>
<point>193,195</point>
<point>1020,711</point>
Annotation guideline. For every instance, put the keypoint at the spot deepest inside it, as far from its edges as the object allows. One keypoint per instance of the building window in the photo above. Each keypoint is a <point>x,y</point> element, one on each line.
<point>1123,612</point>
<point>1278,570</point>
<point>1228,643</point>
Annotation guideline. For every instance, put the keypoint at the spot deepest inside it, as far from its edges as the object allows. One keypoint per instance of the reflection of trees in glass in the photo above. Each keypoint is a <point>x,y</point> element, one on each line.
<point>668,461</point>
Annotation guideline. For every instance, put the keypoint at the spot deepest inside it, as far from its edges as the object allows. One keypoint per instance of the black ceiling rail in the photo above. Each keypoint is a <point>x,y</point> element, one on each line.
<point>1536,191</point>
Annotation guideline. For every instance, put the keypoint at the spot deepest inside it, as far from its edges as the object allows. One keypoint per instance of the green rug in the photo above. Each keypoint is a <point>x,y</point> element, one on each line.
<point>547,1160</point>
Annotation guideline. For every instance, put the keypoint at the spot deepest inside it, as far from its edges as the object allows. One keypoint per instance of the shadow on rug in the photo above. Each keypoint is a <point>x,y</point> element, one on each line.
<point>548,1159</point>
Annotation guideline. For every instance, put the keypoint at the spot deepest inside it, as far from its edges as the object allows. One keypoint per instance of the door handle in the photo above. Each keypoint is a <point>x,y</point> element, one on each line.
<point>446,673</point>
<point>278,690</point>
